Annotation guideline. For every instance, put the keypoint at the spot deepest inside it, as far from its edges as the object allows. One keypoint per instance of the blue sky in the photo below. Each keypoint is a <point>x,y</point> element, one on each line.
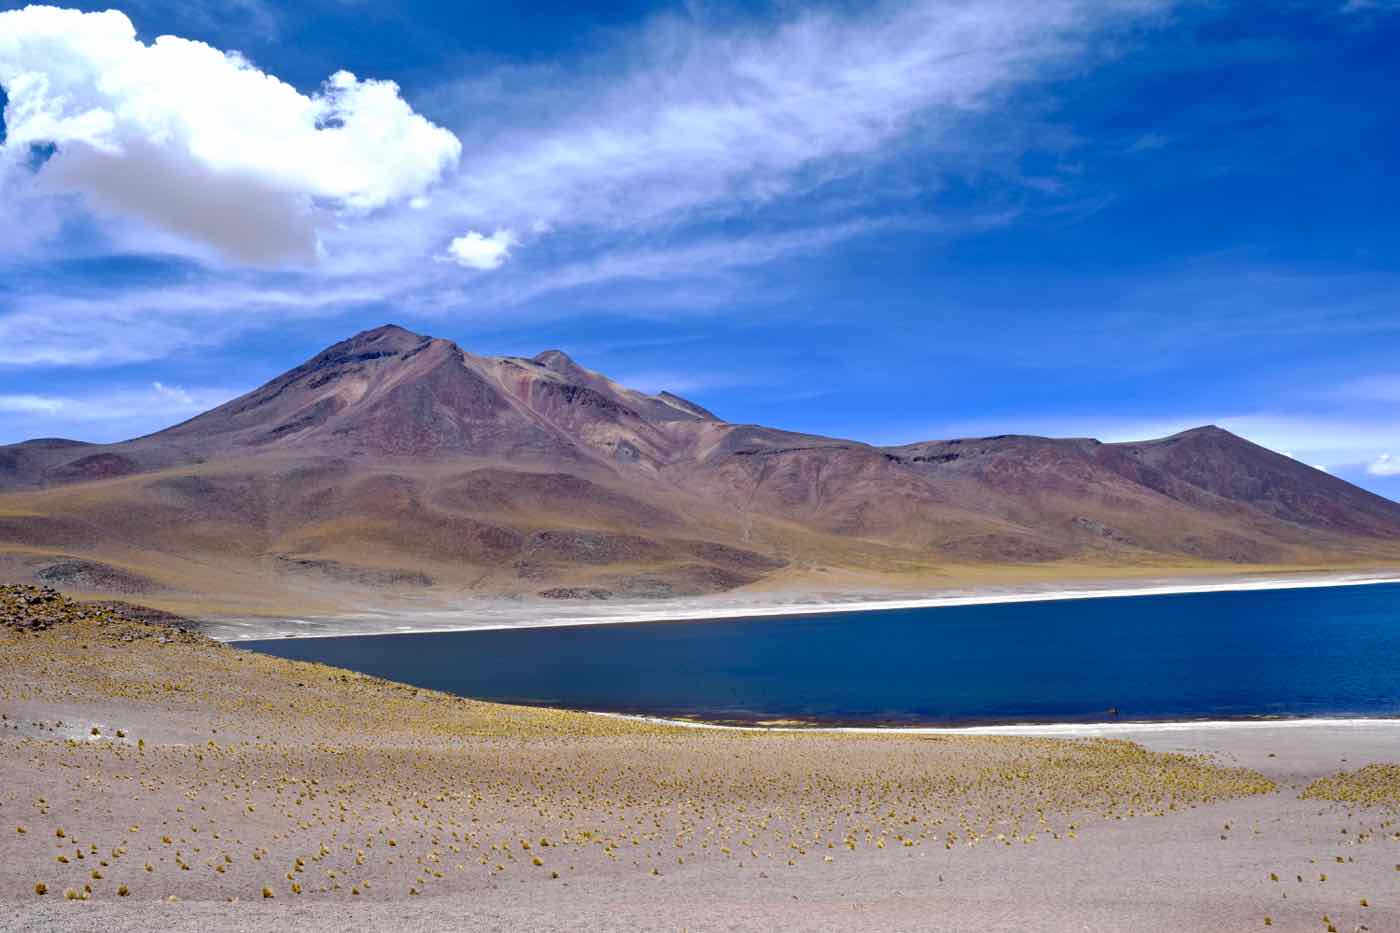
<point>890,222</point>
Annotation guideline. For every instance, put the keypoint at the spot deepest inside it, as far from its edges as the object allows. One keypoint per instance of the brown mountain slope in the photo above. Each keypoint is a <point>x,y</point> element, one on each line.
<point>393,463</point>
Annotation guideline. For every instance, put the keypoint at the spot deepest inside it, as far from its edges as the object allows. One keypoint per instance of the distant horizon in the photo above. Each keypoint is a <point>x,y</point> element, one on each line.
<point>890,222</point>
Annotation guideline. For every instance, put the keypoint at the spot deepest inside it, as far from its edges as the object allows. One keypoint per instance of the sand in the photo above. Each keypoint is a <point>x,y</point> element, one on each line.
<point>360,804</point>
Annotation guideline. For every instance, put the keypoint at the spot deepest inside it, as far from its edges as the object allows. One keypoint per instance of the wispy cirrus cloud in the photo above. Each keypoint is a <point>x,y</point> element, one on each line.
<point>710,119</point>
<point>620,164</point>
<point>96,327</point>
<point>112,414</point>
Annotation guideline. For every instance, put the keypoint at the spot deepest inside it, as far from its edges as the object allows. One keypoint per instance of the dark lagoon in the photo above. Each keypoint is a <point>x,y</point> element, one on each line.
<point>1327,651</point>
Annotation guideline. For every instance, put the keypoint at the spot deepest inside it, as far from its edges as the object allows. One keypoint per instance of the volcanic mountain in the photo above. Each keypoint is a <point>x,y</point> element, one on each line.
<point>392,465</point>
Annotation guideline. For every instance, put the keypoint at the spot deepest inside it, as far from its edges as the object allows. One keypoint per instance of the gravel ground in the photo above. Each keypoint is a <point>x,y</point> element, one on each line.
<point>222,790</point>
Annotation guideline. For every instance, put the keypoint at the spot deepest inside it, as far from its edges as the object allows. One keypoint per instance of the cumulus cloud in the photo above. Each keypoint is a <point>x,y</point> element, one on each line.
<point>1384,465</point>
<point>634,157</point>
<point>482,252</point>
<point>199,141</point>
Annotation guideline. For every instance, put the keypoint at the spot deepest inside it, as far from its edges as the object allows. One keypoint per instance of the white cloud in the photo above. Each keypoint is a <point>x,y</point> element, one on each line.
<point>30,404</point>
<point>625,157</point>
<point>172,393</point>
<point>699,117</point>
<point>481,252</point>
<point>105,328</point>
<point>199,141</point>
<point>707,257</point>
<point>158,399</point>
<point>115,414</point>
<point>1384,465</point>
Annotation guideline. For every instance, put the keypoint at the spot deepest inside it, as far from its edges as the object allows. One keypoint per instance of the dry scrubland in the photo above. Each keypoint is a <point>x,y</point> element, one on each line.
<point>150,776</point>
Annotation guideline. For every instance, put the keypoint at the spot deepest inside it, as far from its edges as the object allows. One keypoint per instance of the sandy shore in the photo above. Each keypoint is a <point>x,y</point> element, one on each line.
<point>176,767</point>
<point>499,614</point>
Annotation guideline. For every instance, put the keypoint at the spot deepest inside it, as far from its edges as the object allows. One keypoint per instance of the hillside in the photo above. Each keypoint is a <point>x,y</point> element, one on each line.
<point>393,466</point>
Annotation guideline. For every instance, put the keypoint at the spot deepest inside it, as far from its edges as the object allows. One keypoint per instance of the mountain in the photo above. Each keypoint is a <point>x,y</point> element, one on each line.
<point>393,465</point>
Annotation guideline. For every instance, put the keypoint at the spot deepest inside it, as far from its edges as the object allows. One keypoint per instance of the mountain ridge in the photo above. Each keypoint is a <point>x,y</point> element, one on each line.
<point>392,460</point>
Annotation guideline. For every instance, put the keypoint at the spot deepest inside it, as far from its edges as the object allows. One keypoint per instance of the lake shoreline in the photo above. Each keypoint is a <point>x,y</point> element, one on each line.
<point>1098,665</point>
<point>1106,729</point>
<point>225,789</point>
<point>496,615</point>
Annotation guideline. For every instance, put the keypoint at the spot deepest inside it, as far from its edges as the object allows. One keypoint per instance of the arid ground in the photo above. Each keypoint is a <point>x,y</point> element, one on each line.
<point>154,778</point>
<point>398,474</point>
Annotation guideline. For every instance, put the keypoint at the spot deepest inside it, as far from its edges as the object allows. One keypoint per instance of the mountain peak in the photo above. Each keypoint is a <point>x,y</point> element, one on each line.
<point>1203,432</point>
<point>557,361</point>
<point>389,337</point>
<point>393,450</point>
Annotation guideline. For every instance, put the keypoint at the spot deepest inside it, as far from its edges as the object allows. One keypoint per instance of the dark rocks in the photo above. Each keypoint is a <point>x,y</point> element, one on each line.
<point>576,592</point>
<point>94,575</point>
<point>37,609</point>
<point>580,546</point>
<point>347,573</point>
<point>95,466</point>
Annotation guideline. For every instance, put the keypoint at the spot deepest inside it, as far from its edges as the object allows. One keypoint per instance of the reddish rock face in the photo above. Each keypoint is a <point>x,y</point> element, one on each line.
<point>395,458</point>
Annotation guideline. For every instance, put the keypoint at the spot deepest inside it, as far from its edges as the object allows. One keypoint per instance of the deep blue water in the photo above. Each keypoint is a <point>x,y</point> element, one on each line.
<point>1307,652</point>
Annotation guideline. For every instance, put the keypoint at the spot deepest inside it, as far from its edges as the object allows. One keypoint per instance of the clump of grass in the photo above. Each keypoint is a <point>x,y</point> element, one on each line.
<point>40,888</point>
<point>1373,785</point>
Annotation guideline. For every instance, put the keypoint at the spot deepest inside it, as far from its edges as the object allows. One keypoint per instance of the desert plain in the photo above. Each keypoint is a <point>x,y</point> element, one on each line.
<point>151,777</point>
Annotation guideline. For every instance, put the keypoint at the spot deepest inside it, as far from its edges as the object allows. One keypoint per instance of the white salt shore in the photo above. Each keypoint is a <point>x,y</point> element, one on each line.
<point>1388,727</point>
<point>488,615</point>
